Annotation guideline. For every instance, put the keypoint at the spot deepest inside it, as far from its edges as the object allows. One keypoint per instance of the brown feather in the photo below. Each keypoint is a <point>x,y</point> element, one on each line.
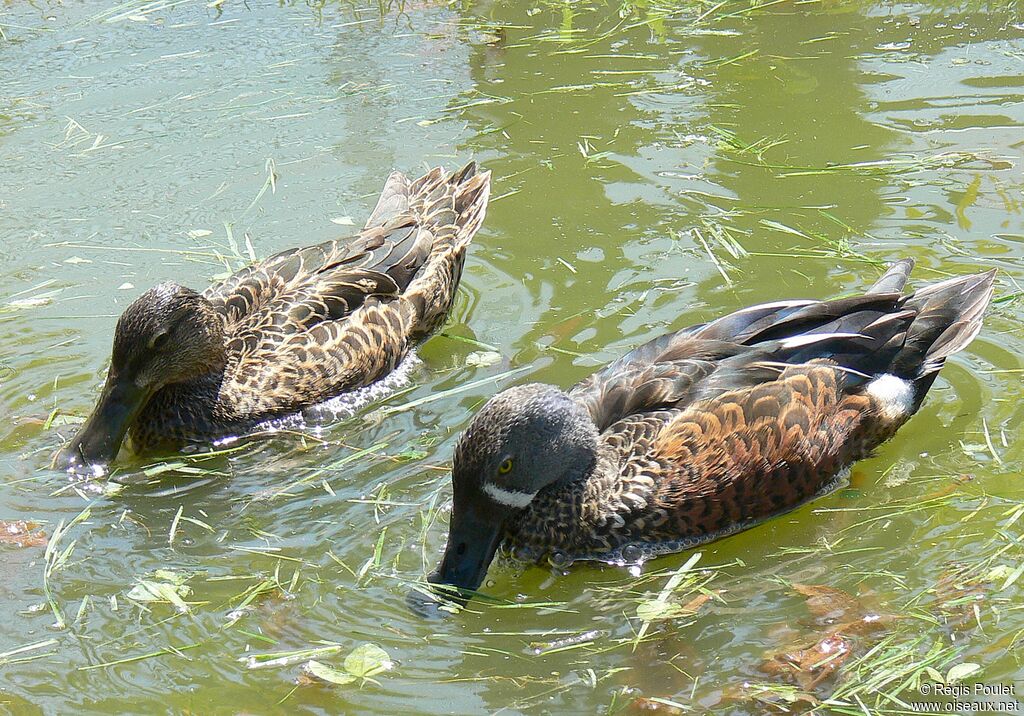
<point>315,322</point>
<point>703,436</point>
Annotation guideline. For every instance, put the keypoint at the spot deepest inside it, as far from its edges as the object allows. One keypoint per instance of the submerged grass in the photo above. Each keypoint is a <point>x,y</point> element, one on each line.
<point>624,623</point>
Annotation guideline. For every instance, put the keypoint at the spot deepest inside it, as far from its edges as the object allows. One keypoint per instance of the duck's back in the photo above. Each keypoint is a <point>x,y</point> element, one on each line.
<point>311,323</point>
<point>709,429</point>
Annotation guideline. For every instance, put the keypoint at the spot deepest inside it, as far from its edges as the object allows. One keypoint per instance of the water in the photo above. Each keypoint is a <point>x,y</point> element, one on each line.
<point>652,169</point>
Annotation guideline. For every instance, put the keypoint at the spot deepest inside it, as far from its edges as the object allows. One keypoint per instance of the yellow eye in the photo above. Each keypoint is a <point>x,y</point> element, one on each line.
<point>505,467</point>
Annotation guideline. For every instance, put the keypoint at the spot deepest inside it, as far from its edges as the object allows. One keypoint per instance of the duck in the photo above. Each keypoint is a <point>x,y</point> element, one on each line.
<point>286,333</point>
<point>702,432</point>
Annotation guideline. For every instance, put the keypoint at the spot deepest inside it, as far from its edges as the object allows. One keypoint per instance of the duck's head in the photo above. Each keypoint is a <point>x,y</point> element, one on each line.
<point>521,441</point>
<point>169,334</point>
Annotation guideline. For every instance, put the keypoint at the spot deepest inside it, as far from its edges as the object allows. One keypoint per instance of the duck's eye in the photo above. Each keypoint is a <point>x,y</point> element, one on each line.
<point>159,341</point>
<point>505,467</point>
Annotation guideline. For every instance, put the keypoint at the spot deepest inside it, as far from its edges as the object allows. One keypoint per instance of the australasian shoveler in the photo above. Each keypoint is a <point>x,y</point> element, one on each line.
<point>289,332</point>
<point>702,432</point>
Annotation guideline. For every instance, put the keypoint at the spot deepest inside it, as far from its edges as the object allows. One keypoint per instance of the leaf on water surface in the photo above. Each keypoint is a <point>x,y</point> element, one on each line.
<point>40,299</point>
<point>655,609</point>
<point>199,233</point>
<point>343,221</point>
<point>169,576</point>
<point>367,660</point>
<point>20,533</point>
<point>411,454</point>
<point>61,419</point>
<point>1012,577</point>
<point>660,607</point>
<point>162,467</point>
<point>152,591</point>
<point>962,671</point>
<point>327,673</point>
<point>482,359</point>
<point>364,662</point>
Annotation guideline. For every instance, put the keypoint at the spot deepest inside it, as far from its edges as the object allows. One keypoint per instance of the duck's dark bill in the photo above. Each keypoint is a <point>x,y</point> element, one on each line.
<point>97,443</point>
<point>473,538</point>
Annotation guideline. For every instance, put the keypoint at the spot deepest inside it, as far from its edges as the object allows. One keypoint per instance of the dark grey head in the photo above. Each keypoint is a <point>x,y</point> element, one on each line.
<point>523,440</point>
<point>169,334</point>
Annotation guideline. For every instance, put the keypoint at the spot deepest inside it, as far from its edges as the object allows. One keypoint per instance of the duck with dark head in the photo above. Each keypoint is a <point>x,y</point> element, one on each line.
<point>702,432</point>
<point>287,333</point>
<point>169,335</point>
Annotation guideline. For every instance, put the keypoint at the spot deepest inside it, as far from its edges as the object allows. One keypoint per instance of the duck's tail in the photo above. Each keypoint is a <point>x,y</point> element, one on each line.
<point>451,205</point>
<point>948,317</point>
<point>472,193</point>
<point>450,208</point>
<point>894,278</point>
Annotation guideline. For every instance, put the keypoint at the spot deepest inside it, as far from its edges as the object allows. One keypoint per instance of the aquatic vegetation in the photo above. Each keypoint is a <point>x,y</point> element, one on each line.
<point>640,150</point>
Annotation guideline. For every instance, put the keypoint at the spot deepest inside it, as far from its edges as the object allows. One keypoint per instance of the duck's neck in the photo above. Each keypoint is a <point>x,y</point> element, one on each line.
<point>179,413</point>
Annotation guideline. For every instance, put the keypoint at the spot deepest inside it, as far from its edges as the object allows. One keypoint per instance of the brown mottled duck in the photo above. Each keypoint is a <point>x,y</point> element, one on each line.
<point>289,332</point>
<point>702,432</point>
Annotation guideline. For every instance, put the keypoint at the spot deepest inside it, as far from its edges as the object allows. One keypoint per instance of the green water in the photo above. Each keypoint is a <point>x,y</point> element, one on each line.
<point>653,167</point>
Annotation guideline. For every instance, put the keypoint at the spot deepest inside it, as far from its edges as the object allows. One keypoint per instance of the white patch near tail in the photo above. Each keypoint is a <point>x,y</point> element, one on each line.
<point>509,498</point>
<point>895,396</point>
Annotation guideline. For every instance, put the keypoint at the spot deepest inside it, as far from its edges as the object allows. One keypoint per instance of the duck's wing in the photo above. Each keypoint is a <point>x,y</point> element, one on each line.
<point>746,447</point>
<point>323,282</point>
<point>452,208</point>
<point>671,369</point>
<point>316,322</point>
<point>863,335</point>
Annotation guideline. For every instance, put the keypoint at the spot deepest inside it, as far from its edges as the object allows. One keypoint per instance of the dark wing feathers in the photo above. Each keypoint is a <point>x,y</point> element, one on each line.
<point>393,201</point>
<point>859,336</point>
<point>310,323</point>
<point>639,388</point>
<point>894,278</point>
<point>948,318</point>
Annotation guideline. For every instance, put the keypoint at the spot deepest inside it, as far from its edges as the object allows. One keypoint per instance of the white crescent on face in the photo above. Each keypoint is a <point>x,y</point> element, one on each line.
<point>509,498</point>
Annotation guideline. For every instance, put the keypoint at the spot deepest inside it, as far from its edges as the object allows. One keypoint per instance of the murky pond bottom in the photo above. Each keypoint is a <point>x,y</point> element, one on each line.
<point>655,166</point>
